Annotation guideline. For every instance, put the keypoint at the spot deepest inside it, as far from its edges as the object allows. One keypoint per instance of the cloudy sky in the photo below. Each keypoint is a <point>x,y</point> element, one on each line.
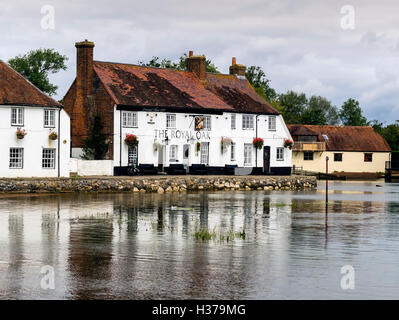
<point>303,45</point>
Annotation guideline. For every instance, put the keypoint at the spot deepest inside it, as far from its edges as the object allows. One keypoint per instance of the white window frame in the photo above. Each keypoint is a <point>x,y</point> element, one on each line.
<point>233,121</point>
<point>248,122</point>
<point>207,124</point>
<point>50,154</point>
<point>173,152</point>
<point>233,152</point>
<point>49,118</point>
<point>272,123</point>
<point>18,119</point>
<point>280,154</point>
<point>18,157</point>
<point>248,149</point>
<point>170,121</point>
<point>129,119</point>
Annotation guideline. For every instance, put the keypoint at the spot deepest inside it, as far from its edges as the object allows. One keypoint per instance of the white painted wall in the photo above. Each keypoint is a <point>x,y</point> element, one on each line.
<point>92,167</point>
<point>351,162</point>
<point>221,126</point>
<point>33,143</point>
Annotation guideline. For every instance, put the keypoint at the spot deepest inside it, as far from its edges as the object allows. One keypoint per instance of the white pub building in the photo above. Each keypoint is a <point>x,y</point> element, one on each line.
<point>34,130</point>
<point>177,121</point>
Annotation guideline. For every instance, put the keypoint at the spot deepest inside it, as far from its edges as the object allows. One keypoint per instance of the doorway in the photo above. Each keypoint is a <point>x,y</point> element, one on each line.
<point>205,153</point>
<point>161,151</point>
<point>266,159</point>
<point>186,156</point>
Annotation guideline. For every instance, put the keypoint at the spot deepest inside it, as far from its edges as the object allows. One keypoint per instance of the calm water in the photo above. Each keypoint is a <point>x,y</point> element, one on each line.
<point>130,246</point>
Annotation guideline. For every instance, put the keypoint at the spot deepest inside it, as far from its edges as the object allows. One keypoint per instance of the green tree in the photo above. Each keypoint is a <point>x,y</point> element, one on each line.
<point>351,114</point>
<point>293,105</point>
<point>36,65</point>
<point>389,132</point>
<point>320,111</point>
<point>257,78</point>
<point>314,116</point>
<point>96,145</point>
<point>377,126</point>
<point>391,135</point>
<point>180,65</point>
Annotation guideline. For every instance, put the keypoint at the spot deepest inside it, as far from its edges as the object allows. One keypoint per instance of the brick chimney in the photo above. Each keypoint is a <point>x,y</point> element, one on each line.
<point>237,69</point>
<point>197,65</point>
<point>81,113</point>
<point>84,67</point>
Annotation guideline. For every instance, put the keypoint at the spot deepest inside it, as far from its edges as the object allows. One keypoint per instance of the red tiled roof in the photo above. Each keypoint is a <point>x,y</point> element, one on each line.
<point>238,93</point>
<point>344,138</point>
<point>133,85</point>
<point>16,90</point>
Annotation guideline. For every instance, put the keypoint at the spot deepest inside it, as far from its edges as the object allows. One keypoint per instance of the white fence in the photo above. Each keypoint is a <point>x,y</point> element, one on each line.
<point>91,167</point>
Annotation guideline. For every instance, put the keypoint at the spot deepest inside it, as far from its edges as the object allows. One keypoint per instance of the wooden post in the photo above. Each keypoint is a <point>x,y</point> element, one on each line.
<point>327,179</point>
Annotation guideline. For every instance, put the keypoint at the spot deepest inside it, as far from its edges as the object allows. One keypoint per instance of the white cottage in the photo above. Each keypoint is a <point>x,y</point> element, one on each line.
<point>34,130</point>
<point>184,121</point>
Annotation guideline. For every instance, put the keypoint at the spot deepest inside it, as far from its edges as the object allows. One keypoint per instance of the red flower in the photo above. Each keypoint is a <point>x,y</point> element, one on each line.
<point>258,143</point>
<point>131,140</point>
<point>288,143</point>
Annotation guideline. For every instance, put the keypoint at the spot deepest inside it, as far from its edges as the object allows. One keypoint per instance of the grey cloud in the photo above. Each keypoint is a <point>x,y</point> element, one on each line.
<point>299,44</point>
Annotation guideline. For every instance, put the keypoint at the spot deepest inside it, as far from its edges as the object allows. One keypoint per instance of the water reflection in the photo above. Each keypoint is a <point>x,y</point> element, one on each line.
<point>136,246</point>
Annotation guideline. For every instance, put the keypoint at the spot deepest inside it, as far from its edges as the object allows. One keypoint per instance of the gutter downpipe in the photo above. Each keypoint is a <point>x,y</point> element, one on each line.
<point>120,139</point>
<point>256,135</point>
<point>59,138</point>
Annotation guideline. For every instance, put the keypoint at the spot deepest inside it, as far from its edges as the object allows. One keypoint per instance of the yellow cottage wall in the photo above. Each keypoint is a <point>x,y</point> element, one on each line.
<point>351,162</point>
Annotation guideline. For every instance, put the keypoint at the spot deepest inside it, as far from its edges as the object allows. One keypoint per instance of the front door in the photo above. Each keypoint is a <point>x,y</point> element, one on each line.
<point>132,156</point>
<point>266,159</point>
<point>205,153</point>
<point>161,150</point>
<point>186,156</point>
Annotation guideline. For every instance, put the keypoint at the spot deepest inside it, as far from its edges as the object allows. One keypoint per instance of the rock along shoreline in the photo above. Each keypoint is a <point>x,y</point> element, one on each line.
<point>155,184</point>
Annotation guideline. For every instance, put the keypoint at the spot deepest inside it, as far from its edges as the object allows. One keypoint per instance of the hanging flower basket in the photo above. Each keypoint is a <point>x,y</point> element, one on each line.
<point>197,147</point>
<point>131,140</point>
<point>157,145</point>
<point>21,133</point>
<point>53,136</point>
<point>225,143</point>
<point>258,143</point>
<point>288,144</point>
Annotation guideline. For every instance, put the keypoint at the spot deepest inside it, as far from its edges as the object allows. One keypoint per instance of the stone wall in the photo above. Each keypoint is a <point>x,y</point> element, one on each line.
<point>156,184</point>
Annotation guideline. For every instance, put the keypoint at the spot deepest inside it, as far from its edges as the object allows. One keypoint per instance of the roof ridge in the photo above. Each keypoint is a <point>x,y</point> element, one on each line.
<point>139,65</point>
<point>159,68</point>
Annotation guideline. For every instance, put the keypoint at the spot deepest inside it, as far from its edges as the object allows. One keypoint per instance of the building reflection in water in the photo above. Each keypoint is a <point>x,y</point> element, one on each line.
<point>143,246</point>
<point>15,273</point>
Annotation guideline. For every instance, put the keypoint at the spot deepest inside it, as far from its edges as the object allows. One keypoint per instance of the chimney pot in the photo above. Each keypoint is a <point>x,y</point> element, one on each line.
<point>237,69</point>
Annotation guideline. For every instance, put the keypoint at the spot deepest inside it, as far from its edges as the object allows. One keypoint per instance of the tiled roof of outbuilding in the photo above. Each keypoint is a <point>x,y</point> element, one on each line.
<point>133,85</point>
<point>344,138</point>
<point>16,90</point>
